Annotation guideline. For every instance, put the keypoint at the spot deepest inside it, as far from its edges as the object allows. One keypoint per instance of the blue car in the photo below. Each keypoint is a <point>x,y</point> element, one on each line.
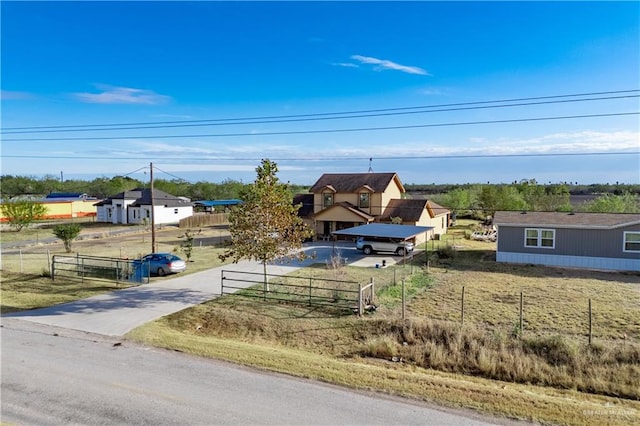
<point>162,264</point>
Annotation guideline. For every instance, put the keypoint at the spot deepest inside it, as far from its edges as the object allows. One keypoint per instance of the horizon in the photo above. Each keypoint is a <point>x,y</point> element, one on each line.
<point>437,92</point>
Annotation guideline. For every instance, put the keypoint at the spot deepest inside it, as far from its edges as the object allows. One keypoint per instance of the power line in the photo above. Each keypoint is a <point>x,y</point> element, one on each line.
<point>296,118</point>
<point>307,132</point>
<point>423,157</point>
<point>169,174</point>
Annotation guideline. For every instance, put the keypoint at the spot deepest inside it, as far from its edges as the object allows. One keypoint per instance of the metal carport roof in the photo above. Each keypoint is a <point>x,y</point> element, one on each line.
<point>385,230</point>
<point>213,203</point>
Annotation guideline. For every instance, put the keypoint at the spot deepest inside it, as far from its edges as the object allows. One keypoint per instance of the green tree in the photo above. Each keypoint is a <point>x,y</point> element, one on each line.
<point>67,232</point>
<point>266,225</point>
<point>457,200</point>
<point>500,197</point>
<point>21,214</point>
<point>610,203</point>
<point>544,198</point>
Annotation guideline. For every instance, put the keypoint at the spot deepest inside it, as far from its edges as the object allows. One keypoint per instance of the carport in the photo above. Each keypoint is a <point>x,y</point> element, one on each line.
<point>384,230</point>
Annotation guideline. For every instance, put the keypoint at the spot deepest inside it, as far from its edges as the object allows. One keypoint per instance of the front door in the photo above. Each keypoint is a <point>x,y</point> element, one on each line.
<point>327,228</point>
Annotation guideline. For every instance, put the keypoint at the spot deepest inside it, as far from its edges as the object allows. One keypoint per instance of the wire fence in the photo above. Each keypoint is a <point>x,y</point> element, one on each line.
<point>308,291</point>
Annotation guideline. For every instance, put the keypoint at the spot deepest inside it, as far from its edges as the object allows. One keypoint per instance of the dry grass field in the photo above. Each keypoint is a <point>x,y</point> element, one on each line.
<point>545,372</point>
<point>125,242</point>
<point>25,282</point>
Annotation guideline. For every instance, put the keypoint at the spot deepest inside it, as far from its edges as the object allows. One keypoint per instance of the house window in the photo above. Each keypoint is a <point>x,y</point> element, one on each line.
<point>364,200</point>
<point>545,238</point>
<point>632,242</point>
<point>135,214</point>
<point>175,211</point>
<point>327,199</point>
<point>109,213</point>
<point>148,213</point>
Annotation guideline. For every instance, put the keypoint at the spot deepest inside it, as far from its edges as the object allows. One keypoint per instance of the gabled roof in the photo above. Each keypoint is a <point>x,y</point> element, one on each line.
<point>307,204</point>
<point>142,197</point>
<point>566,220</point>
<point>411,210</point>
<point>436,209</point>
<point>352,182</point>
<point>348,206</point>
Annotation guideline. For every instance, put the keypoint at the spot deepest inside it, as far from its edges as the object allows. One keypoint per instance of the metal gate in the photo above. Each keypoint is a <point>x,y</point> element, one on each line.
<point>96,267</point>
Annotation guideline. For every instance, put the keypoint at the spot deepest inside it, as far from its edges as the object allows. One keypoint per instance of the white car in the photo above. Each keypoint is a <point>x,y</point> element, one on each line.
<point>370,245</point>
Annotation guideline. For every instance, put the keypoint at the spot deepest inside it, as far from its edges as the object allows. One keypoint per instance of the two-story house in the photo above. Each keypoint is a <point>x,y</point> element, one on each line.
<point>345,200</point>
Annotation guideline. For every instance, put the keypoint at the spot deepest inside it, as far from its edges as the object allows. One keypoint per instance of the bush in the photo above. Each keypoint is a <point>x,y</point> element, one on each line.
<point>556,350</point>
<point>67,232</point>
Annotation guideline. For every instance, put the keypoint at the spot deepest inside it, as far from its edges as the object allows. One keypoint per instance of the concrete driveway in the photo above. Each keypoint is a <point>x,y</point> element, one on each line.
<point>116,313</point>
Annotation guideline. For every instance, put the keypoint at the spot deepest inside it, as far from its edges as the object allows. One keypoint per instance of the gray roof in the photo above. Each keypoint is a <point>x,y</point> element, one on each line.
<point>352,182</point>
<point>384,230</point>
<point>566,220</point>
<point>142,197</point>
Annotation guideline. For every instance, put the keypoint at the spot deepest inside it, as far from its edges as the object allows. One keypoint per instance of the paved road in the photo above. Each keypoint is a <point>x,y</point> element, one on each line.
<point>53,376</point>
<point>116,313</point>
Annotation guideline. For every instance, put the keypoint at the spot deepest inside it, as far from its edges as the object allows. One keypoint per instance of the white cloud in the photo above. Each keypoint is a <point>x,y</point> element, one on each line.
<point>122,95</point>
<point>345,64</point>
<point>386,64</point>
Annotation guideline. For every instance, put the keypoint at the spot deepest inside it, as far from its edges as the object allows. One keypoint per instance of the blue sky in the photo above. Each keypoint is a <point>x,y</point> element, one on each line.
<point>176,64</point>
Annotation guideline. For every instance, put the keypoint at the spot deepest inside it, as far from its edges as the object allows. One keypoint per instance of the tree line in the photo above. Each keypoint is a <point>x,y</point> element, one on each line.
<point>476,199</point>
<point>484,200</point>
<point>103,187</point>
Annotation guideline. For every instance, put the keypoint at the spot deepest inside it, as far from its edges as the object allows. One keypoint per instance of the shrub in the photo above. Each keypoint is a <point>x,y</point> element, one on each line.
<point>67,232</point>
<point>556,350</point>
<point>383,347</point>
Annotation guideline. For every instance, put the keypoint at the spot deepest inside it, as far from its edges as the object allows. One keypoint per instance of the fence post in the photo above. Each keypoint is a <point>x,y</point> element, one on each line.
<point>373,291</point>
<point>82,272</point>
<point>394,276</point>
<point>462,307</point>
<point>49,263</point>
<point>310,278</point>
<point>53,268</point>
<point>221,282</point>
<point>403,301</point>
<point>360,299</point>
<point>590,324</point>
<point>521,317</point>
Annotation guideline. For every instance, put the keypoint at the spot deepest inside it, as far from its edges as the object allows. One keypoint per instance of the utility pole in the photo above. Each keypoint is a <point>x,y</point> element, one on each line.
<point>153,215</point>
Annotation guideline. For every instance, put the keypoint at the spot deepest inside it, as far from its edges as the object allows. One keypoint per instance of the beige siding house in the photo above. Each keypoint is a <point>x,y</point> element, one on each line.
<point>342,201</point>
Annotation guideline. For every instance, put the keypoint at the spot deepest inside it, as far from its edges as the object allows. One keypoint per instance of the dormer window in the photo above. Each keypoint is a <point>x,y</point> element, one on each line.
<point>364,200</point>
<point>327,199</point>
